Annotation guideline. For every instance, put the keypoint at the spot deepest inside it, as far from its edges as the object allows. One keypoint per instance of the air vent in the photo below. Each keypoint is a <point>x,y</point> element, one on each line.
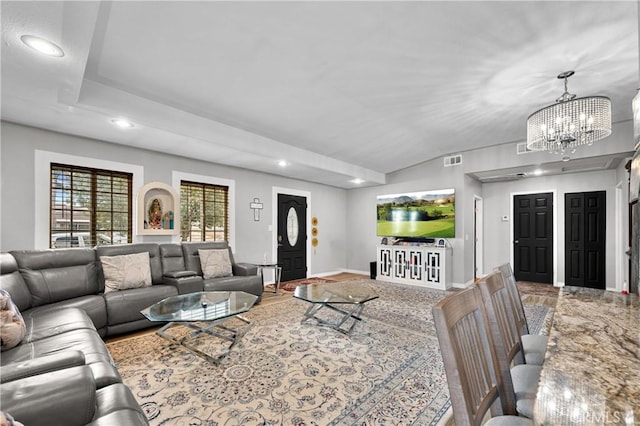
<point>453,160</point>
<point>522,148</point>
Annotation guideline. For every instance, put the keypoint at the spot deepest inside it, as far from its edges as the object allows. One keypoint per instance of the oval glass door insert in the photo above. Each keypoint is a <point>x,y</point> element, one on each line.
<point>292,227</point>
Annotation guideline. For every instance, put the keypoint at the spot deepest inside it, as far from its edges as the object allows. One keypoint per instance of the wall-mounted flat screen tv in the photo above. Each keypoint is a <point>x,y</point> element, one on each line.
<point>426,214</point>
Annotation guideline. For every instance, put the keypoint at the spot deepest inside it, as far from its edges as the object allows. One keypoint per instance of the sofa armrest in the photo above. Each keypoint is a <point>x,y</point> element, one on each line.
<point>244,269</point>
<point>186,283</point>
<point>65,397</point>
<point>41,365</point>
<point>180,274</point>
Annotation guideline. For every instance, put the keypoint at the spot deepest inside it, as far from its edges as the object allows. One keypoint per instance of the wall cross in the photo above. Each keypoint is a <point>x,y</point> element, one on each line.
<point>256,205</point>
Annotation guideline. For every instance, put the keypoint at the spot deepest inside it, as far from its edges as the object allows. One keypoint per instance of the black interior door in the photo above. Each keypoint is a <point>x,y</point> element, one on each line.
<point>533,237</point>
<point>585,237</point>
<point>292,236</point>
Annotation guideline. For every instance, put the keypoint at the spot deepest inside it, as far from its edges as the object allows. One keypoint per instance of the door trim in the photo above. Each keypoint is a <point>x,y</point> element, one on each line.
<point>554,196</point>
<point>275,190</point>
<point>622,281</point>
<point>478,233</point>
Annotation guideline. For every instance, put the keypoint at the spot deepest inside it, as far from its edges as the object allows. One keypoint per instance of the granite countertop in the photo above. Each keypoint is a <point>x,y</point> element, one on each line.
<point>591,373</point>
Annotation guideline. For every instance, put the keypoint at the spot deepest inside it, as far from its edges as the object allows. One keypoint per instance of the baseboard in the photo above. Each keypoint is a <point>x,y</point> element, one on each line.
<point>462,285</point>
<point>339,271</point>
<point>324,274</point>
<point>355,271</point>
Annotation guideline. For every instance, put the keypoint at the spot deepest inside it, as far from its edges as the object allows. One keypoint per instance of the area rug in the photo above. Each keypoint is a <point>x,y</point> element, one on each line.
<point>291,285</point>
<point>388,372</point>
<point>282,372</point>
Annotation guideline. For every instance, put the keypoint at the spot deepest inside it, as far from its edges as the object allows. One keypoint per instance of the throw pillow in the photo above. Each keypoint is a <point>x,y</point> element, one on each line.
<point>126,271</point>
<point>215,263</point>
<point>12,327</point>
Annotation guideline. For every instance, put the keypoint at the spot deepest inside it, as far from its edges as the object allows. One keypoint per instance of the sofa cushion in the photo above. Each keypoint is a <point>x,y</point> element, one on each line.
<point>125,306</point>
<point>215,263</point>
<point>55,275</point>
<point>116,405</point>
<point>171,258</point>
<point>12,327</point>
<point>251,284</point>
<point>192,258</point>
<point>151,248</point>
<point>12,281</point>
<point>64,397</point>
<point>126,271</point>
<point>86,341</point>
<point>48,321</point>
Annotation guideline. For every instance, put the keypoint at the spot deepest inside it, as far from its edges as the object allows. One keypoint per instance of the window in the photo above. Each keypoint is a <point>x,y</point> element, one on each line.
<point>89,207</point>
<point>204,212</point>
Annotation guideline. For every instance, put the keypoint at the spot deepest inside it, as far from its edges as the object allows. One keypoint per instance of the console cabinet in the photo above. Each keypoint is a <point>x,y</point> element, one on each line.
<point>424,266</point>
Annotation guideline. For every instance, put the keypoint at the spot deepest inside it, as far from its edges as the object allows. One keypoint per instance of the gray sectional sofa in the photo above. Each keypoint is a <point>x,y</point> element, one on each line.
<point>61,296</point>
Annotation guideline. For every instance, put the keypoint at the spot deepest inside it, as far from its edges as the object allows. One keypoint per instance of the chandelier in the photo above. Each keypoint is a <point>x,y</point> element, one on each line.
<point>569,123</point>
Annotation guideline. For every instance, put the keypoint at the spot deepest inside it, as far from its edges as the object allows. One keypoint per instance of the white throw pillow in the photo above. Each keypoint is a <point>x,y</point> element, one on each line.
<point>126,271</point>
<point>215,263</point>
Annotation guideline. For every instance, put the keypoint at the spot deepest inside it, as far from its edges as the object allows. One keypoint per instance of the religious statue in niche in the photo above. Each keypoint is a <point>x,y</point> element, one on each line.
<point>155,214</point>
<point>156,218</point>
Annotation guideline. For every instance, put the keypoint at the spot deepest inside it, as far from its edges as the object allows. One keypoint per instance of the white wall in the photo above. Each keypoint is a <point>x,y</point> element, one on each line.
<point>432,174</point>
<point>347,231</point>
<point>252,238</point>
<point>497,203</point>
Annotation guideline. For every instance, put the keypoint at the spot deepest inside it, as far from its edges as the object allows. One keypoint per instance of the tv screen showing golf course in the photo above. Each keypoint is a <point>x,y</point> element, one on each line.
<point>426,214</point>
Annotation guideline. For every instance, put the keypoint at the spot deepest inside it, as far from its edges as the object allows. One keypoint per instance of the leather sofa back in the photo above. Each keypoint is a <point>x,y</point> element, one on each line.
<point>171,257</point>
<point>118,250</point>
<point>12,281</point>
<point>192,259</point>
<point>61,274</point>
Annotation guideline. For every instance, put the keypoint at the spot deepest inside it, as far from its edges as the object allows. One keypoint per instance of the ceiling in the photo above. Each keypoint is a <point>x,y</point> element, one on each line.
<point>340,90</point>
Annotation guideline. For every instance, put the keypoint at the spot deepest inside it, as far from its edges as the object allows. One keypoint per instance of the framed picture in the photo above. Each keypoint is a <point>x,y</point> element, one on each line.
<point>158,210</point>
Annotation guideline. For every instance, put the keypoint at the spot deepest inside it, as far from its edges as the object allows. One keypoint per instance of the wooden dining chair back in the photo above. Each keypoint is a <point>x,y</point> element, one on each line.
<point>469,356</point>
<point>504,331</point>
<point>516,300</point>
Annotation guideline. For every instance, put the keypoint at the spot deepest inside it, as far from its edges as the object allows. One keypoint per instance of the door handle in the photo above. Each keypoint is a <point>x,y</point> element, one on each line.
<point>516,242</point>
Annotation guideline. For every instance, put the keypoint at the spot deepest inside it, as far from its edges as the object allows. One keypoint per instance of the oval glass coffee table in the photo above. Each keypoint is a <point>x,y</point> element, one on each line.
<point>204,312</point>
<point>345,298</point>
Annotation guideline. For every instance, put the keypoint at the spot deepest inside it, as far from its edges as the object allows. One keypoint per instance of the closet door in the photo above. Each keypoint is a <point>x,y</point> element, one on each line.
<point>585,237</point>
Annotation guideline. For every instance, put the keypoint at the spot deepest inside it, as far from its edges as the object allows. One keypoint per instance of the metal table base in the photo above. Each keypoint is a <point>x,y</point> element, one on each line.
<point>225,333</point>
<point>340,323</point>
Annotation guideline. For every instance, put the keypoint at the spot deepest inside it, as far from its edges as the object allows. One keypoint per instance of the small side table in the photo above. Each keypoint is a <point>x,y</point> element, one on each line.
<point>277,272</point>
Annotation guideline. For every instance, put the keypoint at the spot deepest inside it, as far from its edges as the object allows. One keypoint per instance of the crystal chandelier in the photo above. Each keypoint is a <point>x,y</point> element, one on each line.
<point>569,123</point>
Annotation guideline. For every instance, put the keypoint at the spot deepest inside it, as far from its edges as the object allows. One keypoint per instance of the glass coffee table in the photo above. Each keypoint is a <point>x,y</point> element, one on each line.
<point>204,312</point>
<point>345,298</point>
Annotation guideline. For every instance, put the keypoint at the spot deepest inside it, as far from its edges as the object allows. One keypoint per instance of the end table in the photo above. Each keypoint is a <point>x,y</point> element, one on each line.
<point>277,273</point>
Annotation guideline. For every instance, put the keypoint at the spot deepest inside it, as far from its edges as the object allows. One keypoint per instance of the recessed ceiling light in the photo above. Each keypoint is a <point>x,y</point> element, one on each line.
<point>122,123</point>
<point>282,163</point>
<point>537,172</point>
<point>357,181</point>
<point>43,46</point>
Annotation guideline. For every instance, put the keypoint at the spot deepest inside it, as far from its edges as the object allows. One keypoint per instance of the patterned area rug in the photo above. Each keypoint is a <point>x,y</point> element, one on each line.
<point>291,285</point>
<point>388,372</point>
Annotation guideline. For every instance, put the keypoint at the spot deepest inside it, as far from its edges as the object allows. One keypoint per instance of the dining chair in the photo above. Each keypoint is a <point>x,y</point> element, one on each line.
<point>469,356</point>
<point>520,380</point>
<point>534,345</point>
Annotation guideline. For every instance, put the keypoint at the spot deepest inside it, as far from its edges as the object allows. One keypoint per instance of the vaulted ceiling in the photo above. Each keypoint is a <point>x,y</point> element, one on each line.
<point>339,90</point>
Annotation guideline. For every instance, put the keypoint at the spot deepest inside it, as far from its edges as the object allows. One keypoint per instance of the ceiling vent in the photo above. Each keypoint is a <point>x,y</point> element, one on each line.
<point>522,148</point>
<point>453,160</point>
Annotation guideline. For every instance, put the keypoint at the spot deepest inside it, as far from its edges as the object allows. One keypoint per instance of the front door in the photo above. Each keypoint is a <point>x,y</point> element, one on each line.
<point>292,236</point>
<point>533,237</point>
<point>585,229</point>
